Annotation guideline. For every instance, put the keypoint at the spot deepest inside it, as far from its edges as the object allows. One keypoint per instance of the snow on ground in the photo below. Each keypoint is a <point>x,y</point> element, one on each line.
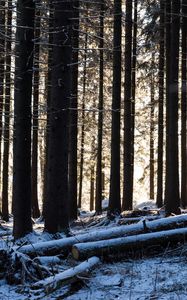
<point>142,279</point>
<point>154,278</point>
<point>160,278</point>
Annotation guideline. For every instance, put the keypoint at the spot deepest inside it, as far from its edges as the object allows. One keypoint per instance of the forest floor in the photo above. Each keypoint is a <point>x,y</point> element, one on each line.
<point>158,275</point>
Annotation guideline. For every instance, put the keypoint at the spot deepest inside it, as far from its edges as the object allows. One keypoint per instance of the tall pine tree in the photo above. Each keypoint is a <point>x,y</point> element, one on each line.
<point>128,179</point>
<point>56,206</point>
<point>114,198</point>
<point>172,162</point>
<point>22,120</point>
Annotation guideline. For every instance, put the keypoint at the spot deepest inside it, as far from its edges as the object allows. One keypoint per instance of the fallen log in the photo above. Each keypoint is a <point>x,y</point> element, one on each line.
<point>47,260</point>
<point>127,220</point>
<point>5,234</point>
<point>120,245</point>
<point>50,284</point>
<point>64,245</point>
<point>140,213</point>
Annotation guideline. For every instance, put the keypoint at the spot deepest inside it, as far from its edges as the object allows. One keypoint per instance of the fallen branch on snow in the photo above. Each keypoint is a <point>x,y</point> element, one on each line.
<point>50,284</point>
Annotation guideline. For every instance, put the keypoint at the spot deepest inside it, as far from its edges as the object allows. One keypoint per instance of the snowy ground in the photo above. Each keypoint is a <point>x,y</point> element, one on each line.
<point>162,277</point>
<point>143,279</point>
<point>158,278</point>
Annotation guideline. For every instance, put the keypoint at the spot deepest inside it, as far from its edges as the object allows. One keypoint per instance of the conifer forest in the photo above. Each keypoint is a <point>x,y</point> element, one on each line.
<point>93,149</point>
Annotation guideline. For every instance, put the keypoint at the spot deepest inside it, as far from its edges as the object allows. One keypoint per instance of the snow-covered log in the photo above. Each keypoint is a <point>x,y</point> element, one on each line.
<point>52,283</point>
<point>47,260</point>
<point>129,220</point>
<point>65,244</point>
<point>5,231</point>
<point>120,245</point>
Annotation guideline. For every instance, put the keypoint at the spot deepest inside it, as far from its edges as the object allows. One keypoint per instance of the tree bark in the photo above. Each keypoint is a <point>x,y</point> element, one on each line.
<point>183,108</point>
<point>48,96</point>
<point>56,208</point>
<point>173,199</point>
<point>36,75</point>
<point>151,155</point>
<point>2,72</point>
<point>127,180</point>
<point>159,198</point>
<point>74,119</point>
<point>98,199</point>
<point>114,198</point>
<point>22,121</point>
<point>167,52</point>
<point>134,62</point>
<point>83,125</point>
<point>5,191</point>
<point>92,184</point>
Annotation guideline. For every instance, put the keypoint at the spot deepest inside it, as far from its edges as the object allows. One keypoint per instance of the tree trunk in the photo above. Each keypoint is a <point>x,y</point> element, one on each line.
<point>5,191</point>
<point>127,180</point>
<point>56,208</point>
<point>183,108</point>
<point>22,121</point>
<point>92,185</point>
<point>83,125</point>
<point>35,206</point>
<point>2,72</point>
<point>134,60</point>
<point>98,200</point>
<point>48,96</point>
<point>114,198</point>
<point>173,200</point>
<point>159,199</point>
<point>74,120</point>
<point>167,52</point>
<point>151,157</point>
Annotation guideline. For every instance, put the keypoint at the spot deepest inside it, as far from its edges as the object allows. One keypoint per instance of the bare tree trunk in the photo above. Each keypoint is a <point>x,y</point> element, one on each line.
<point>5,191</point>
<point>83,125</point>
<point>74,120</point>
<point>2,72</point>
<point>22,121</point>
<point>114,198</point>
<point>92,186</point>
<point>159,199</point>
<point>167,51</point>
<point>173,199</point>
<point>127,180</point>
<point>134,60</point>
<point>98,199</point>
<point>56,209</point>
<point>35,206</point>
<point>48,95</point>
<point>183,108</point>
<point>151,159</point>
